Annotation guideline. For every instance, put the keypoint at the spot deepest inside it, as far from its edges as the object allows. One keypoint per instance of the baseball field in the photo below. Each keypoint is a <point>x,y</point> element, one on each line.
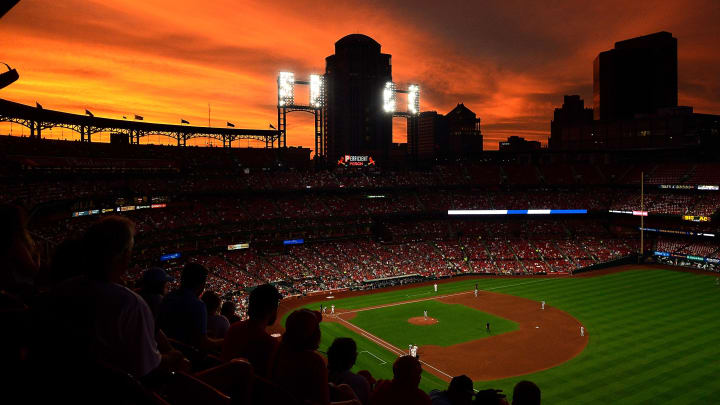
<point>651,335</point>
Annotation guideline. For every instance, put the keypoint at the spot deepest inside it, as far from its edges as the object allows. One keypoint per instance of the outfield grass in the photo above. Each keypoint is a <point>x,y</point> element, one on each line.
<point>456,324</point>
<point>654,336</point>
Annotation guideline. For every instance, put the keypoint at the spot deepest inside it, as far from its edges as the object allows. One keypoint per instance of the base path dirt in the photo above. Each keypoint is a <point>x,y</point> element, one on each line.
<point>419,320</point>
<point>545,338</point>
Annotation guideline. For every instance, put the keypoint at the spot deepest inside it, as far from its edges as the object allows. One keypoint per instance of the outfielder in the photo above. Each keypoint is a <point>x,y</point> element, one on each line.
<point>425,314</point>
<point>435,287</point>
<point>332,309</point>
<point>542,304</point>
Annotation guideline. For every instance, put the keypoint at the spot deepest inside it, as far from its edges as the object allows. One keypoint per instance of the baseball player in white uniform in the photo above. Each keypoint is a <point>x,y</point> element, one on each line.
<point>435,287</point>
<point>425,314</point>
<point>410,350</point>
<point>582,331</point>
<point>413,351</point>
<point>332,309</point>
<point>542,304</point>
<point>476,292</point>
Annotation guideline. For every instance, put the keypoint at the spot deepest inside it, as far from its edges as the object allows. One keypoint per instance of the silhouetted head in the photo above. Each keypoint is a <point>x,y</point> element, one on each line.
<point>228,309</point>
<point>407,371</point>
<point>461,390</point>
<point>342,354</point>
<point>155,280</point>
<point>107,247</point>
<point>526,393</point>
<point>212,302</point>
<point>263,303</point>
<point>194,276</point>
<point>302,330</point>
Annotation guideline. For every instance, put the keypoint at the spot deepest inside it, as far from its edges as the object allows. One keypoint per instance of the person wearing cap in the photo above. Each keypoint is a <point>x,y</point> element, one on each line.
<point>154,288</point>
<point>459,392</point>
<point>249,338</point>
<point>403,389</point>
<point>298,367</point>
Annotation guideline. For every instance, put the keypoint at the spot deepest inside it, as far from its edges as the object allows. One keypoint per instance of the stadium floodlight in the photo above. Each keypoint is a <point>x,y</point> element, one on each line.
<point>413,99</point>
<point>286,88</point>
<point>389,97</point>
<point>316,85</point>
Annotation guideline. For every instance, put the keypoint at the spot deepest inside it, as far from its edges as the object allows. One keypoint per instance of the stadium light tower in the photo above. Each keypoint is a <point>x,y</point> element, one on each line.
<point>316,105</point>
<point>413,107</point>
<point>389,97</point>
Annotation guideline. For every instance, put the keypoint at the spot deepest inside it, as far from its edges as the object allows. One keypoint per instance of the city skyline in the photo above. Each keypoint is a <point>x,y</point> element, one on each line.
<point>166,60</point>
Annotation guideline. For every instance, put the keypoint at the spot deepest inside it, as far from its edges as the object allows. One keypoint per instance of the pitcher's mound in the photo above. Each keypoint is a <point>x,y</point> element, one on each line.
<point>419,320</point>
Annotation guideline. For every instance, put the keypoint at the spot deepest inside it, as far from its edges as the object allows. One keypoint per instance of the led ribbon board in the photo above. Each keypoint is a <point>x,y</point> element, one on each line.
<point>516,212</point>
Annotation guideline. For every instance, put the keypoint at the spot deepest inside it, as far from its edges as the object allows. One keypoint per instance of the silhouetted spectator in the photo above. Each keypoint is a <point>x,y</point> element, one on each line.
<point>183,316</point>
<point>459,392</point>
<point>403,389</point>
<point>526,393</point>
<point>154,288</point>
<point>18,258</point>
<point>248,338</point>
<point>490,397</point>
<point>217,325</point>
<point>298,367</point>
<point>93,316</point>
<point>341,358</point>
<point>228,310</point>
<point>64,263</point>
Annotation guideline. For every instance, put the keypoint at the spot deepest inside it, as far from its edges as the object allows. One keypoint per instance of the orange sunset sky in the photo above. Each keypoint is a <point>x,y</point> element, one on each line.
<point>509,61</point>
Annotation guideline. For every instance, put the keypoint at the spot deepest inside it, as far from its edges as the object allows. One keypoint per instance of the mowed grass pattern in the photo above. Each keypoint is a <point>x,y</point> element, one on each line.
<point>654,336</point>
<point>456,324</point>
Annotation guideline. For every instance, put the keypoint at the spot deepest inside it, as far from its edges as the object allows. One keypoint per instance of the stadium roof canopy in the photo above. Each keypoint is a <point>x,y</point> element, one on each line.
<point>38,118</point>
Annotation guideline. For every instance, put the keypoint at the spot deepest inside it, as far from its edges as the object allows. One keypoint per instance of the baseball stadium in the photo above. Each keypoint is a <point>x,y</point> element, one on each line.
<point>152,263</point>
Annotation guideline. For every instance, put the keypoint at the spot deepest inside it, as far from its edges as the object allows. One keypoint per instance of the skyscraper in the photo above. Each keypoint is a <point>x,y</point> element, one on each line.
<point>355,77</point>
<point>638,76</point>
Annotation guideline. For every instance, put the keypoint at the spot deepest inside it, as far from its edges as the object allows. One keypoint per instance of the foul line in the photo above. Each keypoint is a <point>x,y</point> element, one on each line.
<point>438,297</point>
<point>365,351</point>
<point>387,345</point>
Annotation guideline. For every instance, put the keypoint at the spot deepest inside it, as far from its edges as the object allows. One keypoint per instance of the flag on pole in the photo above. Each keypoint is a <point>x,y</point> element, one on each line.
<point>230,124</point>
<point>272,127</point>
<point>184,121</point>
<point>87,112</point>
<point>138,117</point>
<point>38,105</point>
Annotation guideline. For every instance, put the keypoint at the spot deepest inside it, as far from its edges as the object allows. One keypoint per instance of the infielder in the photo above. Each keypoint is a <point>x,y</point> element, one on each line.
<point>425,314</point>
<point>410,350</point>
<point>414,351</point>
<point>435,287</point>
<point>542,304</point>
<point>332,309</point>
<point>582,331</point>
<point>476,291</point>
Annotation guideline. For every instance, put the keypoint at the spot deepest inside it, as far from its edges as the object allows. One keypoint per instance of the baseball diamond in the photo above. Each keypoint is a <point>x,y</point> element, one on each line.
<point>628,314</point>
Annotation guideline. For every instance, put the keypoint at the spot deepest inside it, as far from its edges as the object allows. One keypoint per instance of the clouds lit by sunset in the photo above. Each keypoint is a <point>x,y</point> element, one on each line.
<point>509,61</point>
